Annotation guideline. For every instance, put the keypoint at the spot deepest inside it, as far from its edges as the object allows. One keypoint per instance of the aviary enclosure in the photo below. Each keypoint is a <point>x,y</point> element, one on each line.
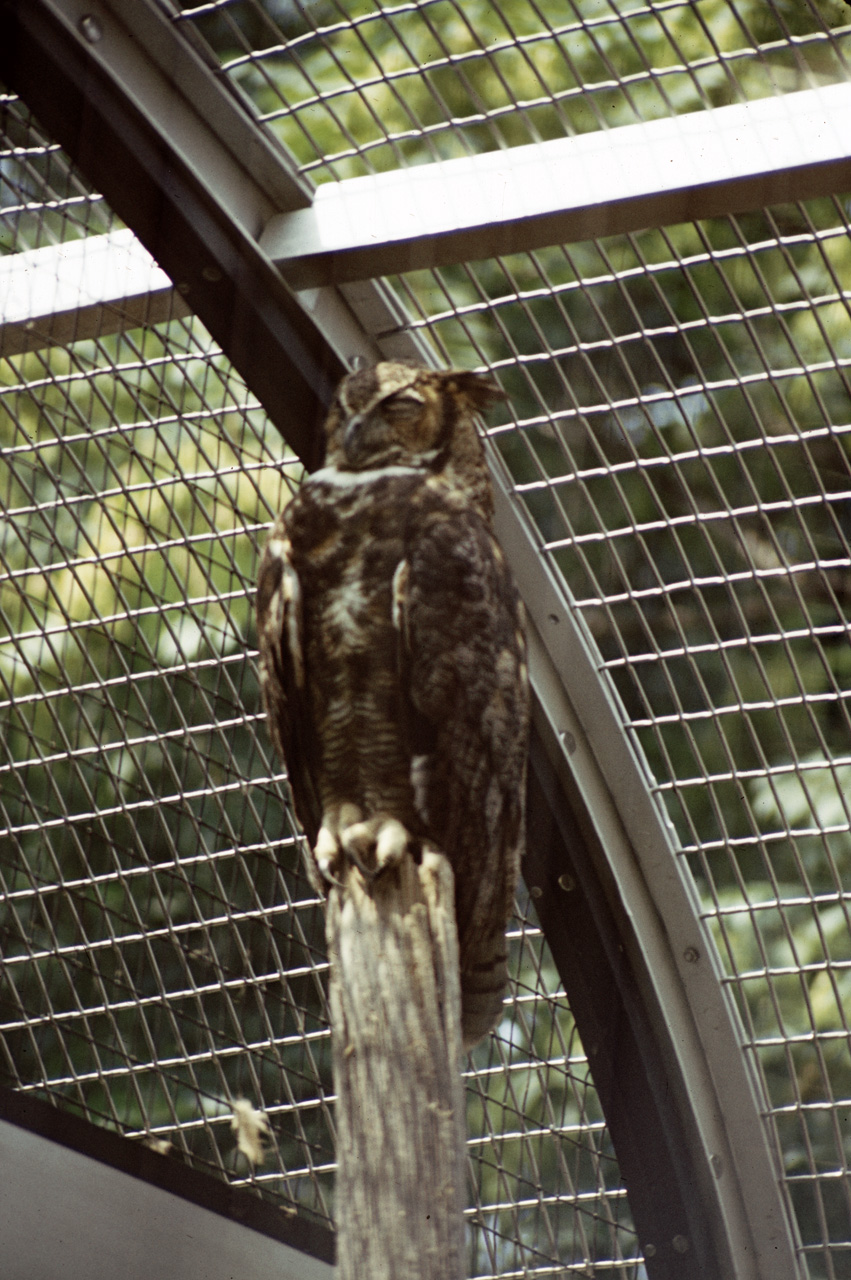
<point>634,214</point>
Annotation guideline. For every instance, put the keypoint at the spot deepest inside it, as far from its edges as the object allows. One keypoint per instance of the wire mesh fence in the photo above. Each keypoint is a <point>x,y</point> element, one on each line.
<point>679,433</point>
<point>43,199</point>
<point>355,88</point>
<point>678,430</point>
<point>163,953</point>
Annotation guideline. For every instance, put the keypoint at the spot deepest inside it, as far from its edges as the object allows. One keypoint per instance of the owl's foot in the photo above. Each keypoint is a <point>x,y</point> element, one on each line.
<point>373,845</point>
<point>369,844</point>
<point>328,853</point>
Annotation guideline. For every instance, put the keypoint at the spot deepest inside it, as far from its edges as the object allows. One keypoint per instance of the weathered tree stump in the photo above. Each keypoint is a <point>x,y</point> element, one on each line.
<point>396,1029</point>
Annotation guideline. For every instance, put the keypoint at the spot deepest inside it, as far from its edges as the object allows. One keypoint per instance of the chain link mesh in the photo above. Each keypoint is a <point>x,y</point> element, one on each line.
<point>679,433</point>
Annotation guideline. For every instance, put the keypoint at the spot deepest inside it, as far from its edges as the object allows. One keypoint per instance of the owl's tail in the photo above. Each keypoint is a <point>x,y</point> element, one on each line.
<point>483,986</point>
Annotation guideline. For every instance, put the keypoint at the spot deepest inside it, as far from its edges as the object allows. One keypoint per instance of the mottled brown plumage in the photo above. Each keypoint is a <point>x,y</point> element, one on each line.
<point>393,659</point>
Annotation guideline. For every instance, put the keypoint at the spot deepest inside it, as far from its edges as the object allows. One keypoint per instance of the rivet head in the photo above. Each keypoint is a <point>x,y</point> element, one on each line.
<point>212,274</point>
<point>680,1244</point>
<point>90,28</point>
<point>566,881</point>
<point>691,955</point>
<point>650,1251</point>
<point>536,891</point>
<point>568,741</point>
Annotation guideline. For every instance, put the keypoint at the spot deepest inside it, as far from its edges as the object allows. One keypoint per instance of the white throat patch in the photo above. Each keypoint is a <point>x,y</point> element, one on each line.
<point>350,479</point>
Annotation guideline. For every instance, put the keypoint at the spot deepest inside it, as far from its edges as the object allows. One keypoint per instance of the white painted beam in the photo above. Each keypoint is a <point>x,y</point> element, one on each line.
<point>81,289</point>
<point>104,284</point>
<point>700,165</point>
<point>694,166</point>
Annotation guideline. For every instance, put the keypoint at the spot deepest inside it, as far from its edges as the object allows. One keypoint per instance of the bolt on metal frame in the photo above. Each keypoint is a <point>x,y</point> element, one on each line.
<point>589,775</point>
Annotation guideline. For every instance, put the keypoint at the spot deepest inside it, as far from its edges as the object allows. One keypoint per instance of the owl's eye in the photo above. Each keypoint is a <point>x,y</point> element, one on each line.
<point>401,409</point>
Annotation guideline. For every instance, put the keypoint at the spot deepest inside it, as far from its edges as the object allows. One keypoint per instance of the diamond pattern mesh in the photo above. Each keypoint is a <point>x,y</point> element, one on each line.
<point>679,433</point>
<point>354,86</point>
<point>163,952</point>
<point>678,430</point>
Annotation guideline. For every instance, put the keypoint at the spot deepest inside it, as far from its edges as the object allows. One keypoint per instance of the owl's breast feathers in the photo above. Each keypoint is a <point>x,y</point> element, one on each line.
<point>387,594</point>
<point>324,611</point>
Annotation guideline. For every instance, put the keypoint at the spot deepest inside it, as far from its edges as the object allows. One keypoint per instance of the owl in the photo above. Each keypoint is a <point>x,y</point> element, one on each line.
<point>393,658</point>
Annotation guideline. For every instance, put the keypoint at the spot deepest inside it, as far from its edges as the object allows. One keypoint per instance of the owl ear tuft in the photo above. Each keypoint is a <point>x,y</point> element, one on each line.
<point>480,389</point>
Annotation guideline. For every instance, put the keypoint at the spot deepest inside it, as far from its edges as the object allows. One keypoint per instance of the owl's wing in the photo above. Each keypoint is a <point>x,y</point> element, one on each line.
<point>464,676</point>
<point>283,679</point>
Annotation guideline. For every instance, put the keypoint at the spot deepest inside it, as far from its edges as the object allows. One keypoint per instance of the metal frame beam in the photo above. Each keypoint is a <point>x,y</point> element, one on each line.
<point>701,165</point>
<point>82,289</point>
<point>103,284</point>
<point>188,169</point>
<point>673,170</point>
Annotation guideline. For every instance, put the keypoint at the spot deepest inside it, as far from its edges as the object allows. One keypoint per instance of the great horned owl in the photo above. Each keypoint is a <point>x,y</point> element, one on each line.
<point>392,655</point>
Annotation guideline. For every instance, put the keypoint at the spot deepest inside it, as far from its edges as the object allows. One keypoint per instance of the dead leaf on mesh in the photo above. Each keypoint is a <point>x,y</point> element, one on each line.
<point>251,1128</point>
<point>162,1146</point>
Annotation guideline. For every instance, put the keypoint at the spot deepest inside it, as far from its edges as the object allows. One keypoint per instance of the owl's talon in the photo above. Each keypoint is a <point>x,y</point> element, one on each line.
<point>384,840</point>
<point>324,867</point>
<point>326,852</point>
<point>329,857</point>
<point>369,873</point>
<point>392,844</point>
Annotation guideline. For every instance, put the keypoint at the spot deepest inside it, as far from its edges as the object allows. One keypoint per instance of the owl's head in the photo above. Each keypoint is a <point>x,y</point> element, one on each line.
<point>399,414</point>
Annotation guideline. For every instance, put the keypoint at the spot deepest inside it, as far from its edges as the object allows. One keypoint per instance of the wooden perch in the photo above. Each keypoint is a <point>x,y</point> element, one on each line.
<point>396,1029</point>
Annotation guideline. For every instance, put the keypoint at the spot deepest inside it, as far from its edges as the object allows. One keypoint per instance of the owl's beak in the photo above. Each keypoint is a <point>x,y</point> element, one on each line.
<point>352,428</point>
